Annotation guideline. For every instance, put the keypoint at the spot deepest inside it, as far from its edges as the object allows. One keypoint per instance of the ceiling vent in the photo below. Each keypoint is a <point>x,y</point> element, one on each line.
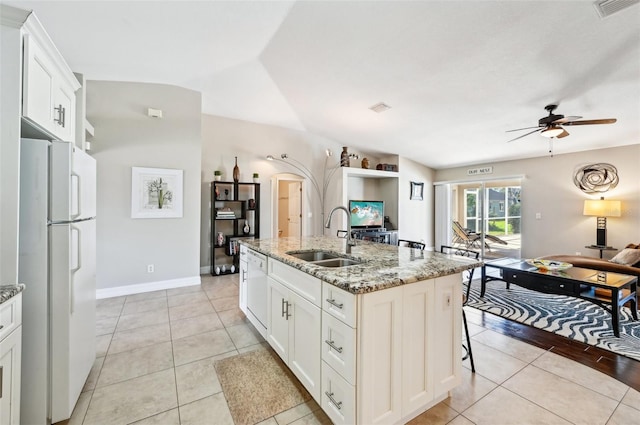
<point>607,8</point>
<point>381,107</point>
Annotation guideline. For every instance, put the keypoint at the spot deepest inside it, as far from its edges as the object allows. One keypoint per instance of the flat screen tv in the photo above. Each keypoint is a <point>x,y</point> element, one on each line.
<point>366,214</point>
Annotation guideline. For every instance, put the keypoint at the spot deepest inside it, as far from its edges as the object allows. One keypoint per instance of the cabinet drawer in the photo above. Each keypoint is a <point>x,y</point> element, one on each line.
<point>339,347</point>
<point>303,284</point>
<point>338,397</point>
<point>339,303</point>
<point>10,315</point>
<point>542,284</point>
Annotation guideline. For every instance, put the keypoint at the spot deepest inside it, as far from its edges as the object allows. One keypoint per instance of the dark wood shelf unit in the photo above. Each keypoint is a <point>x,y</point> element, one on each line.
<point>243,199</point>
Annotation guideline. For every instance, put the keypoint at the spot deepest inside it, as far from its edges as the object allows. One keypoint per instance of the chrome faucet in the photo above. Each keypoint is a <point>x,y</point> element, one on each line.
<point>350,241</point>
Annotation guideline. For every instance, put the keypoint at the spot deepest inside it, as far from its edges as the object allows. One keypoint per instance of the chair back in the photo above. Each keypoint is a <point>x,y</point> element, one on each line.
<point>411,244</point>
<point>469,253</point>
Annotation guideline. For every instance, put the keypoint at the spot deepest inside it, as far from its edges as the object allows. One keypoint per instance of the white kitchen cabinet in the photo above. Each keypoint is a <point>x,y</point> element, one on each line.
<point>49,87</point>
<point>242,292</point>
<point>277,321</point>
<point>386,356</point>
<point>10,358</point>
<point>379,383</point>
<point>338,399</point>
<point>447,334</point>
<point>294,331</point>
<point>339,347</point>
<point>417,346</point>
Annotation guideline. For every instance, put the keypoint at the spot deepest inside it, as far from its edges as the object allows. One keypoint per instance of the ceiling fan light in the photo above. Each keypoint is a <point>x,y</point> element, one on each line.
<point>552,131</point>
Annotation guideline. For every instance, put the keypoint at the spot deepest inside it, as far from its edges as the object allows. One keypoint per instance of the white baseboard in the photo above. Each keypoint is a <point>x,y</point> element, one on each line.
<point>146,287</point>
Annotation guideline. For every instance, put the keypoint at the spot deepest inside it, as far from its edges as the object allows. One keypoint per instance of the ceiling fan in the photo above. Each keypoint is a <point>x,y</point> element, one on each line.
<point>552,125</point>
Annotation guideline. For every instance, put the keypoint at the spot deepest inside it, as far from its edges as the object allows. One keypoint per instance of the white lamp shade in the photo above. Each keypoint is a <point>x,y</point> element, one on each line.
<point>602,208</point>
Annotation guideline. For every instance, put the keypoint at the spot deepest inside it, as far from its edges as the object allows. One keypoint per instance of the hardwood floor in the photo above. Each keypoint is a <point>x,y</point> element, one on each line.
<point>622,368</point>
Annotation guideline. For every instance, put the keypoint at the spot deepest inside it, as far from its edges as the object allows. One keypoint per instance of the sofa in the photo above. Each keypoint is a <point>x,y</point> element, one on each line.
<point>615,265</point>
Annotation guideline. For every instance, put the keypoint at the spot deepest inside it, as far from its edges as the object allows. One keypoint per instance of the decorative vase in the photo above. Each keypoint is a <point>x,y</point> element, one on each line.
<point>217,270</point>
<point>223,269</point>
<point>365,163</point>
<point>233,268</point>
<point>246,229</point>
<point>344,158</point>
<point>220,239</point>
<point>236,172</point>
<point>217,177</point>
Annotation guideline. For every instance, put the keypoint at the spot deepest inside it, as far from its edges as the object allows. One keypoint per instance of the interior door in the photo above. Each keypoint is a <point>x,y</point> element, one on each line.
<point>295,212</point>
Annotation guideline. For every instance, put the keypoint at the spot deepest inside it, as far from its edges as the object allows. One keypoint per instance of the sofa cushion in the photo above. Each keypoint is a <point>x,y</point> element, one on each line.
<point>627,256</point>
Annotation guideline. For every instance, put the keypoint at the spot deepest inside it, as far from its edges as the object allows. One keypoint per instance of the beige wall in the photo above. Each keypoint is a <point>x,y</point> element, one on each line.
<point>223,139</point>
<point>415,218</point>
<point>126,137</point>
<point>548,189</point>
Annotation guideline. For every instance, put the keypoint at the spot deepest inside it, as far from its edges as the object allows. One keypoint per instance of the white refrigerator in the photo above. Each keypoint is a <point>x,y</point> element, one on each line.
<point>57,263</point>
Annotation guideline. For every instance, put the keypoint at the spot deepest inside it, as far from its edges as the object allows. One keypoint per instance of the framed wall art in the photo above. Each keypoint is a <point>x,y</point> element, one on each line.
<point>417,191</point>
<point>156,193</point>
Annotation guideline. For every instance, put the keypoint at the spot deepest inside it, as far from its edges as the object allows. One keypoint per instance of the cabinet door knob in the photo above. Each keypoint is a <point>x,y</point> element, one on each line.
<point>333,401</point>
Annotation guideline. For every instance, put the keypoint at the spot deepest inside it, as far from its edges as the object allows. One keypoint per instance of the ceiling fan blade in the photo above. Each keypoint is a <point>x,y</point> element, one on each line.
<point>564,133</point>
<point>589,122</point>
<point>519,129</point>
<point>566,119</point>
<point>520,137</point>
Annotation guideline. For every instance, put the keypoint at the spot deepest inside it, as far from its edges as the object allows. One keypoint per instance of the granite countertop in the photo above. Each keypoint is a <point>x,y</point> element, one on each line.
<point>9,291</point>
<point>383,266</point>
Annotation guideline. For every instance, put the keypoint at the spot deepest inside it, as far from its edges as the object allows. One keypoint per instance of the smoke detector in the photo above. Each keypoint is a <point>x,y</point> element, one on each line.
<point>607,8</point>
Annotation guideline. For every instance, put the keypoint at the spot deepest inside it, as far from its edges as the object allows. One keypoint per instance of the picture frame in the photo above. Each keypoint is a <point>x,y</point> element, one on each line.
<point>417,191</point>
<point>156,192</point>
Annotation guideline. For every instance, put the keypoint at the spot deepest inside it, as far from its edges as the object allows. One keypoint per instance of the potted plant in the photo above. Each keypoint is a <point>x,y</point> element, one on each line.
<point>217,175</point>
<point>256,176</point>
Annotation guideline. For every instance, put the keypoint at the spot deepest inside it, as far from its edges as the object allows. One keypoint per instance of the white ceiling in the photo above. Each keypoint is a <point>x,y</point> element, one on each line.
<point>457,74</point>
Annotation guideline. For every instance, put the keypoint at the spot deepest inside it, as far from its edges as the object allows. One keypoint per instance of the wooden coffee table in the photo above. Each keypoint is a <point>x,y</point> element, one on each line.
<point>576,282</point>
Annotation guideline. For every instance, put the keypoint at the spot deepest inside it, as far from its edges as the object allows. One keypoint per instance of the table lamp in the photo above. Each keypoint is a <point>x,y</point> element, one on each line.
<point>602,209</point>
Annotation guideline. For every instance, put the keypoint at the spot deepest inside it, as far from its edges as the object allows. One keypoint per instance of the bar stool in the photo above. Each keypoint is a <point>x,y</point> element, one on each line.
<point>445,249</point>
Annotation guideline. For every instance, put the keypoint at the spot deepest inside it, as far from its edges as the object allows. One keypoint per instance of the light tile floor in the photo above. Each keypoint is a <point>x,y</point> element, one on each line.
<point>155,355</point>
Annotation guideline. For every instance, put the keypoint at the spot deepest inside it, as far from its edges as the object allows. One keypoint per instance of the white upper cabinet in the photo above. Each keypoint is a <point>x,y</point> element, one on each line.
<point>48,85</point>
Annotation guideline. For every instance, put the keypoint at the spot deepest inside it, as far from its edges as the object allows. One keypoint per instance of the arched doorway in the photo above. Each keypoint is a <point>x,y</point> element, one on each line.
<point>287,205</point>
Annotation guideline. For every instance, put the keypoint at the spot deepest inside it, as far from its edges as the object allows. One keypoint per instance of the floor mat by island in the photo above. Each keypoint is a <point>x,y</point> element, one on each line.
<point>563,315</point>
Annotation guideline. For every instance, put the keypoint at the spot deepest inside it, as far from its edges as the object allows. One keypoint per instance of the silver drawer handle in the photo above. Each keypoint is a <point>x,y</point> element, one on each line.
<point>283,312</point>
<point>332,345</point>
<point>333,401</point>
<point>334,303</point>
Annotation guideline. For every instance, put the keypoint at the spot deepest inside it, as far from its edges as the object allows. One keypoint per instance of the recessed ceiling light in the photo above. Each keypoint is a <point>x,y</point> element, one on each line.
<point>380,107</point>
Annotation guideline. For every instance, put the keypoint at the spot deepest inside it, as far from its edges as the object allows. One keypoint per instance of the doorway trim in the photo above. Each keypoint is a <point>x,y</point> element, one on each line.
<point>275,185</point>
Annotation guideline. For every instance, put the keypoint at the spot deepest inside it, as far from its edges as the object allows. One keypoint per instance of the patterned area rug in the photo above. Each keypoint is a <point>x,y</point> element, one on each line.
<point>567,316</point>
<point>258,385</point>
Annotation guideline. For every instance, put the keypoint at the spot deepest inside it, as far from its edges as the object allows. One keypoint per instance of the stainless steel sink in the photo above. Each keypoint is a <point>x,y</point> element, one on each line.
<point>312,255</point>
<point>336,262</point>
<point>323,258</point>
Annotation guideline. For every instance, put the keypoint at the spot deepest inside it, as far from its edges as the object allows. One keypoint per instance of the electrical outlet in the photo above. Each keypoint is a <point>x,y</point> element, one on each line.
<point>150,268</point>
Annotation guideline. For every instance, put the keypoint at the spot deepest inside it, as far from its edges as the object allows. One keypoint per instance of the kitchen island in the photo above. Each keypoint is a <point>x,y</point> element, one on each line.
<point>378,341</point>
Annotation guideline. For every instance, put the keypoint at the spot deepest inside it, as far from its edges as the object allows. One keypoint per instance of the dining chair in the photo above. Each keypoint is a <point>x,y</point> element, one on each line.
<point>411,244</point>
<point>445,249</point>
